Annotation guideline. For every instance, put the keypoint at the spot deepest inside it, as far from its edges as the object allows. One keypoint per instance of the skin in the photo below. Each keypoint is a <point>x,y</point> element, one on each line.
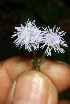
<point>18,78</point>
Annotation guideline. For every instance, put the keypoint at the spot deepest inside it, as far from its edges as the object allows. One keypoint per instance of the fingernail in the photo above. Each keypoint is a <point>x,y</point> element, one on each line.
<point>30,89</point>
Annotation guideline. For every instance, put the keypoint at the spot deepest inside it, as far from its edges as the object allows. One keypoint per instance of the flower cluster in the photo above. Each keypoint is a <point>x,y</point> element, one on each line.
<point>31,36</point>
<point>53,39</point>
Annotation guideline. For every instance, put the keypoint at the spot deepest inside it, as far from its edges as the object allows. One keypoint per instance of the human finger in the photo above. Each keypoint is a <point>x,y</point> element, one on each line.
<point>9,70</point>
<point>58,72</point>
<point>33,87</point>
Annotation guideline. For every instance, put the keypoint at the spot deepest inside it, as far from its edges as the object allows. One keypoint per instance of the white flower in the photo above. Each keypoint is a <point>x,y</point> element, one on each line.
<point>53,39</point>
<point>28,35</point>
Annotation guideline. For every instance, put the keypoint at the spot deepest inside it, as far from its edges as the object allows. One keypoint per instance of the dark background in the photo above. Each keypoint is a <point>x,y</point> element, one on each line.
<point>45,12</point>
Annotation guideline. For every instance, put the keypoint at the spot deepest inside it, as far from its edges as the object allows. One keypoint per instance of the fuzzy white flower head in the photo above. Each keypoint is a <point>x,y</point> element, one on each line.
<point>28,35</point>
<point>53,39</point>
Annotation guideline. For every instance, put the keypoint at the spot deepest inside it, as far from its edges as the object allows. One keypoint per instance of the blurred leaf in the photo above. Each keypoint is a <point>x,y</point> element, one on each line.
<point>0,15</point>
<point>23,1</point>
<point>47,13</point>
<point>66,13</point>
<point>1,2</point>
<point>19,1</point>
<point>26,15</point>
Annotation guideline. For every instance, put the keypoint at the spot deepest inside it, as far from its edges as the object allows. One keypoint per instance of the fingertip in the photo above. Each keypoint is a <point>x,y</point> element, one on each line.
<point>34,87</point>
<point>58,72</point>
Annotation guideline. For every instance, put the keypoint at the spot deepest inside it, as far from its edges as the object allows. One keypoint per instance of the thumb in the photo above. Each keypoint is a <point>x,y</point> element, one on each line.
<point>33,87</point>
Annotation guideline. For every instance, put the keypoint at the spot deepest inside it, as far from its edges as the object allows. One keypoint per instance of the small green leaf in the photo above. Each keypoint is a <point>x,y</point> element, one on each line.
<point>34,62</point>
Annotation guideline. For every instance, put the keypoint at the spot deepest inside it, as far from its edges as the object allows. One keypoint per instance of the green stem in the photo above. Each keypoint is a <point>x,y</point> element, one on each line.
<point>43,56</point>
<point>35,62</point>
<point>34,53</point>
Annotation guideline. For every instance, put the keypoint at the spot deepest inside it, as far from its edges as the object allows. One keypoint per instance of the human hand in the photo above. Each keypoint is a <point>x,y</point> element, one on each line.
<point>30,86</point>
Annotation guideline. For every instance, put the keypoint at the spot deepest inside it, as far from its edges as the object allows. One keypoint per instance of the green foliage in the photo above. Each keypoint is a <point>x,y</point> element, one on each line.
<point>27,2</point>
<point>26,15</point>
<point>47,13</point>
<point>1,2</point>
<point>19,1</point>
